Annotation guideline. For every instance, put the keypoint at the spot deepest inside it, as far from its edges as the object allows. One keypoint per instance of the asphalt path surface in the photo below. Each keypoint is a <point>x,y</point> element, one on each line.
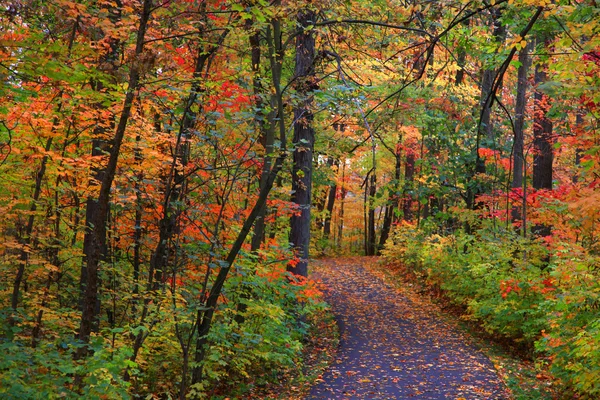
<point>395,345</point>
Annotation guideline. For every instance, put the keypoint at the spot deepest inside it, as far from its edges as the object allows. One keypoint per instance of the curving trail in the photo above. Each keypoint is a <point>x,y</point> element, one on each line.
<point>395,345</point>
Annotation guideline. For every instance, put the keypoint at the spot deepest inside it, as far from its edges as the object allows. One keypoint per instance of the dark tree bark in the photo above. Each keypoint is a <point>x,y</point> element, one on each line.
<point>175,193</point>
<point>320,199</point>
<point>343,192</point>
<point>330,202</point>
<point>461,58</point>
<point>519,125</point>
<point>392,202</point>
<point>485,128</point>
<point>267,135</point>
<point>97,244</point>
<point>578,151</point>
<point>460,74</point>
<point>371,243</point>
<point>543,154</point>
<point>543,151</point>
<point>303,141</point>
<point>409,177</point>
<point>488,79</point>
<point>100,148</point>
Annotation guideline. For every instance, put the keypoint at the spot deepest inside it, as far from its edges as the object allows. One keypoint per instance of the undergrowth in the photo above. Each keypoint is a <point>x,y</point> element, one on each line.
<point>540,299</point>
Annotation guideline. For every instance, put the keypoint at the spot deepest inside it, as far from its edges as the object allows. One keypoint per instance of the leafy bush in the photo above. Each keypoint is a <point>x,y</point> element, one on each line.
<point>505,283</point>
<point>49,371</point>
<point>258,333</point>
<point>257,336</point>
<point>573,312</point>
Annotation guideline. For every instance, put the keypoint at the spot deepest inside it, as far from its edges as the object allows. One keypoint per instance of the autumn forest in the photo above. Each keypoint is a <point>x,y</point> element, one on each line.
<point>169,170</point>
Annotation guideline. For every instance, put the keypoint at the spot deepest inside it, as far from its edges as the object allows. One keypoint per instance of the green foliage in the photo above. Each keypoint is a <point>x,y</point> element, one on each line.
<point>573,340</point>
<point>48,371</point>
<point>258,333</point>
<point>484,273</point>
<point>501,281</point>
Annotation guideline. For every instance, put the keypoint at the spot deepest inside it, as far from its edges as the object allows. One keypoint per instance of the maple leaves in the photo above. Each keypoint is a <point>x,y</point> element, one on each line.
<point>186,176</point>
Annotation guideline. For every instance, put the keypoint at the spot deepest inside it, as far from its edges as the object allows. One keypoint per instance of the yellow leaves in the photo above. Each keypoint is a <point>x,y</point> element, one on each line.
<point>410,132</point>
<point>70,7</point>
<point>531,3</point>
<point>517,42</point>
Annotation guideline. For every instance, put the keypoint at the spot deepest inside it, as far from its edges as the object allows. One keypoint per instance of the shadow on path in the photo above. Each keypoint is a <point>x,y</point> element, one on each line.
<point>394,346</point>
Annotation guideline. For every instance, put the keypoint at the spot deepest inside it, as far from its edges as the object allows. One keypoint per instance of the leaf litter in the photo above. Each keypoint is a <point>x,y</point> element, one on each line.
<point>395,344</point>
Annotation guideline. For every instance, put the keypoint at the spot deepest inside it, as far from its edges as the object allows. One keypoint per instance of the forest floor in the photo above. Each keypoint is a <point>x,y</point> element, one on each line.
<point>396,343</point>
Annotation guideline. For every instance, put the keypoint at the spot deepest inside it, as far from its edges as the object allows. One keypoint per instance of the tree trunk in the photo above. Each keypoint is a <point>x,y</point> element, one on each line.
<point>343,192</point>
<point>485,128</point>
<point>97,246</point>
<point>519,125</point>
<point>100,148</point>
<point>388,218</point>
<point>175,189</point>
<point>543,155</point>
<point>304,138</point>
<point>330,203</point>
<point>26,239</point>
<point>409,177</point>
<point>371,242</point>
<point>267,136</point>
<point>578,150</point>
<point>205,314</point>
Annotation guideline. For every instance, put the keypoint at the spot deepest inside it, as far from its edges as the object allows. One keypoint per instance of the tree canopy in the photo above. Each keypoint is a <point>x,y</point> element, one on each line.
<point>169,167</point>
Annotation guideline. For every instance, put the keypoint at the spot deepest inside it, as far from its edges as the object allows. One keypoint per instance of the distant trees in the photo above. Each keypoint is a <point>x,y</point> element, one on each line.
<point>143,142</point>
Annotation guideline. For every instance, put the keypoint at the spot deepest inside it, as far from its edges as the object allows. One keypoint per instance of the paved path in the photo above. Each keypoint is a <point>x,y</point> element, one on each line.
<point>394,345</point>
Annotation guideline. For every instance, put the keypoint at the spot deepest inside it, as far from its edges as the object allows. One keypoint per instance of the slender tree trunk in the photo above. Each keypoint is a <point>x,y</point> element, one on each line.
<point>485,128</point>
<point>267,134</point>
<point>330,203</point>
<point>175,189</point>
<point>97,246</point>
<point>304,138</point>
<point>319,203</point>
<point>343,192</point>
<point>205,314</point>
<point>26,240</point>
<point>519,125</point>
<point>409,177</point>
<point>100,148</point>
<point>371,242</point>
<point>366,214</point>
<point>176,182</point>
<point>388,218</point>
<point>578,150</point>
<point>543,155</point>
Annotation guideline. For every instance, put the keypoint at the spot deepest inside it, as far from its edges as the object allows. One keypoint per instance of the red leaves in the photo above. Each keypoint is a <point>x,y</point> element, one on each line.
<point>593,56</point>
<point>508,286</point>
<point>229,97</point>
<point>515,286</point>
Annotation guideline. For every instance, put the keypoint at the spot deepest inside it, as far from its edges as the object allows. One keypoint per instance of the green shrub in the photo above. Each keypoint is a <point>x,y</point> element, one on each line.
<point>505,283</point>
